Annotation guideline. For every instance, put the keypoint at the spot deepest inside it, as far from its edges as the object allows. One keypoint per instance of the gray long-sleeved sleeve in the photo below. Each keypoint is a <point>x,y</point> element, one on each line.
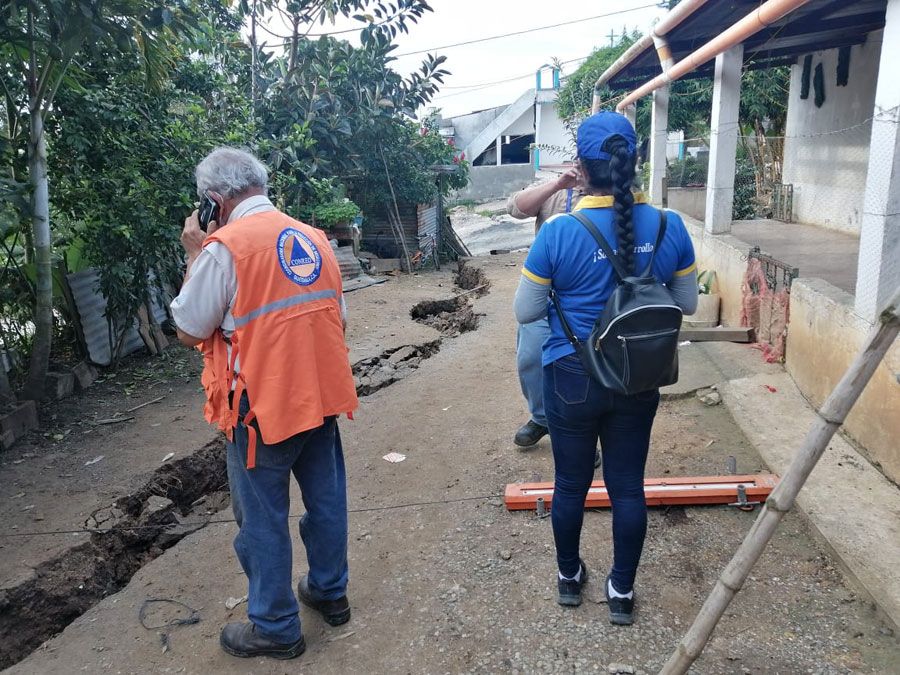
<point>531,300</point>
<point>685,292</point>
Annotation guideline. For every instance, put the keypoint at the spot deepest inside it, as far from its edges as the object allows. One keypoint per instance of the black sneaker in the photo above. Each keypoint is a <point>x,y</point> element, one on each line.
<point>570,591</point>
<point>241,639</point>
<point>621,610</point>
<point>529,434</point>
<point>335,612</point>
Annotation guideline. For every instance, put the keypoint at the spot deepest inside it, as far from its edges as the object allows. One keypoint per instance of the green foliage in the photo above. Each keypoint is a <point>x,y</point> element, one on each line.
<point>328,205</point>
<point>575,96</point>
<point>688,172</point>
<point>126,155</point>
<point>136,92</point>
<point>705,280</point>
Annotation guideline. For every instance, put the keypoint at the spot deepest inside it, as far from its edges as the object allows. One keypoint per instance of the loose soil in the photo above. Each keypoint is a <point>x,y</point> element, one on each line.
<point>445,580</point>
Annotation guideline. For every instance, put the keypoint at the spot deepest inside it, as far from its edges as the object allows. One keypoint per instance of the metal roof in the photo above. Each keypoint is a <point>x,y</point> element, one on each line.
<point>820,24</point>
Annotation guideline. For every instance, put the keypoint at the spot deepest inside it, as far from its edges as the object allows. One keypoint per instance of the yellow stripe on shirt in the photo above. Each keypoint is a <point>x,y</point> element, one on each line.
<point>535,278</point>
<point>605,201</point>
<point>686,271</point>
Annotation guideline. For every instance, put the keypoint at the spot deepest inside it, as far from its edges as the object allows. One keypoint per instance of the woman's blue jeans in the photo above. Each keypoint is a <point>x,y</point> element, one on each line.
<point>579,412</point>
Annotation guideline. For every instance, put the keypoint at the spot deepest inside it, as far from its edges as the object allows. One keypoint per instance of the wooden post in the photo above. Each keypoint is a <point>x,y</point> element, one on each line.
<point>399,222</point>
<point>830,417</point>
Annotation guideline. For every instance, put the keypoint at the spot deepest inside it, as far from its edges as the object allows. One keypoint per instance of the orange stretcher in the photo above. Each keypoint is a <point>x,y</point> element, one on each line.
<point>743,491</point>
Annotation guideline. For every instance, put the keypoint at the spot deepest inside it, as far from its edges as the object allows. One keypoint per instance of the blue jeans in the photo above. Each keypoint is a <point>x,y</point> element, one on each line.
<point>529,344</point>
<point>579,411</point>
<point>260,499</point>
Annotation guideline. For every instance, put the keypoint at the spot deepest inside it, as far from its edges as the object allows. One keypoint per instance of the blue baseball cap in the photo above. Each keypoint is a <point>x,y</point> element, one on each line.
<point>598,128</point>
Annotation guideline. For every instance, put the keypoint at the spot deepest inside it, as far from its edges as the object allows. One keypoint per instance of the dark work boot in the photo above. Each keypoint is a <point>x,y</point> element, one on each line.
<point>570,591</point>
<point>241,639</point>
<point>530,434</point>
<point>335,612</point>
<point>621,610</point>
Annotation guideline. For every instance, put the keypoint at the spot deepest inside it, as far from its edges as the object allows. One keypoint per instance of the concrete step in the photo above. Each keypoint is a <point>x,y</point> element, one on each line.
<point>850,504</point>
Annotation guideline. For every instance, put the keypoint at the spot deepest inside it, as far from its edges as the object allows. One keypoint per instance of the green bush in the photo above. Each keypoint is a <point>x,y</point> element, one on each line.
<point>688,172</point>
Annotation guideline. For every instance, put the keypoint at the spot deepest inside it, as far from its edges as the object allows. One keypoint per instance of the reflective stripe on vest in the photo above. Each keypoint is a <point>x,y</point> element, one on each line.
<point>284,303</point>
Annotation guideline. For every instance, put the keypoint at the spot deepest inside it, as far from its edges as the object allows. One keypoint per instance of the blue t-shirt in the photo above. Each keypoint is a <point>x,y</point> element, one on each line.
<point>565,256</point>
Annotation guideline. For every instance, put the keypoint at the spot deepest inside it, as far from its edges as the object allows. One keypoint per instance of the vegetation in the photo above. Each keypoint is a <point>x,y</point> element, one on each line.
<point>114,102</point>
<point>763,113</point>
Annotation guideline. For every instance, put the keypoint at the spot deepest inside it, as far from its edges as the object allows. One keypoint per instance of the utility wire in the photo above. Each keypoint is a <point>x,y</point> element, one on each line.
<point>527,30</point>
<point>221,521</point>
<point>476,87</point>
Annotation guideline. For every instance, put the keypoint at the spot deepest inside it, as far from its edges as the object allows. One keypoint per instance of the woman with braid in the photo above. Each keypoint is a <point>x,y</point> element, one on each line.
<point>565,259</point>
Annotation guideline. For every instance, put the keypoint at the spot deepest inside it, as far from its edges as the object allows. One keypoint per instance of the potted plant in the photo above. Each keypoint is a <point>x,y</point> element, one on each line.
<point>330,209</point>
<point>707,314</point>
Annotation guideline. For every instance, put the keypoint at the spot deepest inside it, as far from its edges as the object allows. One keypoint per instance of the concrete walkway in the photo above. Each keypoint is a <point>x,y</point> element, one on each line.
<point>853,507</point>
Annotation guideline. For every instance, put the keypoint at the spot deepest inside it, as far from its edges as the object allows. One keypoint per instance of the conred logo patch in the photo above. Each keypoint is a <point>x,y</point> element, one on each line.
<point>300,260</point>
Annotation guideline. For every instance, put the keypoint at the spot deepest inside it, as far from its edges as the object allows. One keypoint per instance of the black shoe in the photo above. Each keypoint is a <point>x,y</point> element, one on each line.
<point>621,610</point>
<point>530,434</point>
<point>597,459</point>
<point>335,612</point>
<point>570,591</point>
<point>241,639</point>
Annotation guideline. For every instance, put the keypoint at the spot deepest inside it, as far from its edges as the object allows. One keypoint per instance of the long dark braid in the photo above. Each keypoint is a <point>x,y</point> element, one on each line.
<point>621,169</point>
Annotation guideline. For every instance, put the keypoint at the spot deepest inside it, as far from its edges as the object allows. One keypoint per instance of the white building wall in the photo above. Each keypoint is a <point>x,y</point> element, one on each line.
<point>553,132</point>
<point>522,126</point>
<point>828,169</point>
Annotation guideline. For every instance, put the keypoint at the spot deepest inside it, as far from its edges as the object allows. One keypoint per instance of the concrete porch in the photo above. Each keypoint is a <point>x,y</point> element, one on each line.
<point>817,251</point>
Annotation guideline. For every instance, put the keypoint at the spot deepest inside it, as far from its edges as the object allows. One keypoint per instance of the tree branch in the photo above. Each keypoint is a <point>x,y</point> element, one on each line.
<point>64,66</point>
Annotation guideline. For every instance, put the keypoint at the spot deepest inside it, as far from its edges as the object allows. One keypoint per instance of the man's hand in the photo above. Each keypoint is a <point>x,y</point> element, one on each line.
<point>570,179</point>
<point>192,237</point>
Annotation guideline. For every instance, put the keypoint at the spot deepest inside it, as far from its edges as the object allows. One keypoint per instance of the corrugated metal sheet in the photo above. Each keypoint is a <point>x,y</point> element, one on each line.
<point>350,267</point>
<point>428,225</point>
<point>91,307</point>
<point>378,237</point>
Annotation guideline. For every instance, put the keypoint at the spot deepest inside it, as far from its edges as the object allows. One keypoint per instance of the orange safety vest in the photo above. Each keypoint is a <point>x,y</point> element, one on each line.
<point>289,336</point>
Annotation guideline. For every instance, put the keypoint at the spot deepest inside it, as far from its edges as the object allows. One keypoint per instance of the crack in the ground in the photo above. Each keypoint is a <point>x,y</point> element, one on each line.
<point>178,500</point>
<point>450,317</point>
<point>390,366</point>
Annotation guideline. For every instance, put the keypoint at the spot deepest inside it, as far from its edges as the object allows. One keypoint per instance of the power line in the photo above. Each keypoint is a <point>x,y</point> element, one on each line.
<point>527,30</point>
<point>475,87</point>
<point>224,521</point>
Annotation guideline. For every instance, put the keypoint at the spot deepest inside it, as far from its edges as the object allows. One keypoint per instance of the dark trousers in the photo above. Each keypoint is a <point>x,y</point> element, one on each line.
<point>579,412</point>
<point>261,503</point>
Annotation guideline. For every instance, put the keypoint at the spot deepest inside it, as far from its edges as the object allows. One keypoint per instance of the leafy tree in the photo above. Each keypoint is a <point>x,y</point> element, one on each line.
<point>689,102</point>
<point>40,41</point>
<point>127,154</point>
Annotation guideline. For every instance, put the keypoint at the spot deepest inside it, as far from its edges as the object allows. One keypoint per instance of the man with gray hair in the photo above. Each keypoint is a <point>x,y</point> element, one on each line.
<point>262,299</point>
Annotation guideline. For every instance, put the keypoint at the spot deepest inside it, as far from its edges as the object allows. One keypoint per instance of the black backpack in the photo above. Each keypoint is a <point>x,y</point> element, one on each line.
<point>633,346</point>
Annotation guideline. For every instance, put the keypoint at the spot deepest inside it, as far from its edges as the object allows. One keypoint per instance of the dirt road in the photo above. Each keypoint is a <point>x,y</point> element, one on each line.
<point>444,580</point>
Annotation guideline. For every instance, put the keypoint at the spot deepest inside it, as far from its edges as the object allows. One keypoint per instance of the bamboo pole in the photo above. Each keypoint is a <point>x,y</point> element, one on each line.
<point>830,417</point>
<point>399,224</point>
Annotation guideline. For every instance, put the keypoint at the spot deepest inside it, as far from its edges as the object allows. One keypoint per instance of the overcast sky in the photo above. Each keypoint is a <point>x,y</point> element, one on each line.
<point>455,21</point>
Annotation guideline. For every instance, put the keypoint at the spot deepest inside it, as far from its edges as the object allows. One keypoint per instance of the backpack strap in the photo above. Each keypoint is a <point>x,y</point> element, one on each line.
<point>565,324</point>
<point>621,272</point>
<point>663,221</point>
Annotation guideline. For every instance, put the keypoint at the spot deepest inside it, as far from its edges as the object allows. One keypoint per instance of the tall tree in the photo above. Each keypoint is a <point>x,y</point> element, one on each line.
<point>41,40</point>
